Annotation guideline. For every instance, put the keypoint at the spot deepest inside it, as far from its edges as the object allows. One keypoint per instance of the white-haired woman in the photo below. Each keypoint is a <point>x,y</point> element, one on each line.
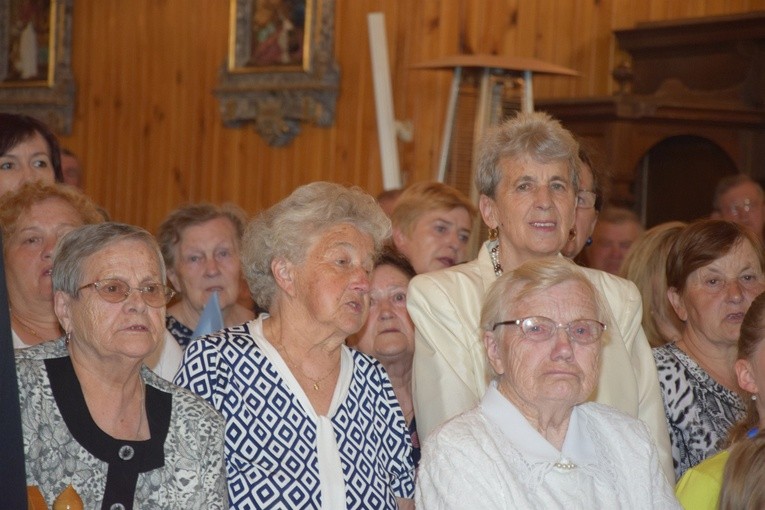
<point>533,442</point>
<point>529,181</point>
<point>310,422</point>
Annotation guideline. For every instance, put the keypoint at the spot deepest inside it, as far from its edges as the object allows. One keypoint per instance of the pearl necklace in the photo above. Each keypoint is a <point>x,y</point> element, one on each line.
<point>494,255</point>
<point>564,465</point>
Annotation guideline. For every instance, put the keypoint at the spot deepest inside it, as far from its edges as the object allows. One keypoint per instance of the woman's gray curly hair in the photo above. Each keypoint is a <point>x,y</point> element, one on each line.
<point>290,227</point>
<point>532,134</point>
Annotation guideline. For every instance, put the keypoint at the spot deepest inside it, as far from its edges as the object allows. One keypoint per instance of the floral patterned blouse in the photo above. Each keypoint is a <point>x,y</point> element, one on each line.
<point>180,467</point>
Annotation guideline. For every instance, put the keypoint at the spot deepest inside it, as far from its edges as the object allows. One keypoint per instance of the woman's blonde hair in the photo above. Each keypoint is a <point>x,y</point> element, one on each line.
<point>749,339</point>
<point>743,486</point>
<point>645,265</point>
<point>424,197</point>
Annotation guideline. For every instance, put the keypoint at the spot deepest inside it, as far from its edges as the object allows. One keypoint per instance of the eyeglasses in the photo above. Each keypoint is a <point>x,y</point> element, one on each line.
<point>541,329</point>
<point>116,291</point>
<point>738,209</point>
<point>586,199</point>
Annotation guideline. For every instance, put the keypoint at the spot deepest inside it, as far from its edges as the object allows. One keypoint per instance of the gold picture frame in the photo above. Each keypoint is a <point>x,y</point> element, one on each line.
<point>35,60</point>
<point>280,69</point>
<point>271,36</point>
<point>28,53</point>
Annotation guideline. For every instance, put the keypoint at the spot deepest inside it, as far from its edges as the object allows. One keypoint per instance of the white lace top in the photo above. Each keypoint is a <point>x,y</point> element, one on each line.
<point>491,458</point>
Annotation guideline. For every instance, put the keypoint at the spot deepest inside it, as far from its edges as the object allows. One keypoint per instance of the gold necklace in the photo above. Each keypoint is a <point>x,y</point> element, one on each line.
<point>292,364</point>
<point>27,327</point>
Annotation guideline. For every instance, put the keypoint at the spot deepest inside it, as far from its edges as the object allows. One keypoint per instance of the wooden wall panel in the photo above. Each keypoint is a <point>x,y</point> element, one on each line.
<point>150,137</point>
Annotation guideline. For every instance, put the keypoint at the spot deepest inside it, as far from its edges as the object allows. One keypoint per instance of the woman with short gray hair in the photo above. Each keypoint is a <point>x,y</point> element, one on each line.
<point>528,177</point>
<point>312,423</point>
<point>201,245</point>
<point>287,230</point>
<point>93,415</point>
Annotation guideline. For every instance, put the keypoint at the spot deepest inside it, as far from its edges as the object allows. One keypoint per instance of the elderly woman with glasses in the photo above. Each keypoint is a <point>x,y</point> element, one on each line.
<point>590,198</point>
<point>32,219</point>
<point>532,441</point>
<point>93,415</point>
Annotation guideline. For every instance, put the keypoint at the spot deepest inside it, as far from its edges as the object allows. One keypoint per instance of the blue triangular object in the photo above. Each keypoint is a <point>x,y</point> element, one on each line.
<point>211,319</point>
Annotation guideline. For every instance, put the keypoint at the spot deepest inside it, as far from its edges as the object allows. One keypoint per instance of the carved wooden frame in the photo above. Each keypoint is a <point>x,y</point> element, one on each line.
<point>52,98</point>
<point>277,99</point>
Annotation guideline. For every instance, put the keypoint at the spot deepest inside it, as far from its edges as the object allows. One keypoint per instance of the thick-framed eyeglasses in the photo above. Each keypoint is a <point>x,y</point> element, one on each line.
<point>541,329</point>
<point>585,199</point>
<point>114,290</point>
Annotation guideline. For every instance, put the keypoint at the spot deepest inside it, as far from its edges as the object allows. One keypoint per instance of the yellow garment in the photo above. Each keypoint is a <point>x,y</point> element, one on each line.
<point>699,487</point>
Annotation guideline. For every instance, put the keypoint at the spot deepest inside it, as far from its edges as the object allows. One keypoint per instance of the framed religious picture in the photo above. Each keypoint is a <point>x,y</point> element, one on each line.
<point>277,37</point>
<point>35,60</point>
<point>28,44</point>
<point>280,70</point>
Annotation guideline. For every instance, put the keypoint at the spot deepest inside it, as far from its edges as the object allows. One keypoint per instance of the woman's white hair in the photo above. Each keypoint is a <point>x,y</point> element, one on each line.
<point>534,277</point>
<point>289,228</point>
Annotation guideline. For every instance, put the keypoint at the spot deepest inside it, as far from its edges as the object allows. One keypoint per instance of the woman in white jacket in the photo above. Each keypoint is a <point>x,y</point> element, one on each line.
<point>528,180</point>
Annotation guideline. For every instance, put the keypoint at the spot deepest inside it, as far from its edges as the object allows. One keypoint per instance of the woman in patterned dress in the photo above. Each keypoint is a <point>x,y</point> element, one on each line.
<point>714,271</point>
<point>201,247</point>
<point>310,423</point>
<point>93,415</point>
<point>699,488</point>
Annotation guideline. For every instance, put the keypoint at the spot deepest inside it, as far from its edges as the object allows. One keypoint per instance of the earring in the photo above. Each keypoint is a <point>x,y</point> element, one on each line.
<point>754,398</point>
<point>588,241</point>
<point>68,337</point>
<point>493,234</point>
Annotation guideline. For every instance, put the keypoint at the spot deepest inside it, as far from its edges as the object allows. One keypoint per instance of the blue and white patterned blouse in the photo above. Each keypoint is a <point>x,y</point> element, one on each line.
<point>272,434</point>
<point>180,332</point>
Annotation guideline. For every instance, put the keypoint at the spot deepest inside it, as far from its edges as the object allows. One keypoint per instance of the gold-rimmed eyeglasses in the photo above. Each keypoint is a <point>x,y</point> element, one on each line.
<point>114,290</point>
